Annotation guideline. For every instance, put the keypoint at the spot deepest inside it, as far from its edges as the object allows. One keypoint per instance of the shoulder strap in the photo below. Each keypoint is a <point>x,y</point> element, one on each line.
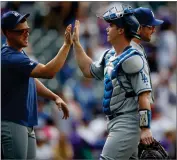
<point>103,57</point>
<point>123,57</point>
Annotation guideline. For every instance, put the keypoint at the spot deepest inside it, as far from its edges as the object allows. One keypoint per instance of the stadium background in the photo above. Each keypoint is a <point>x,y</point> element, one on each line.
<point>82,136</point>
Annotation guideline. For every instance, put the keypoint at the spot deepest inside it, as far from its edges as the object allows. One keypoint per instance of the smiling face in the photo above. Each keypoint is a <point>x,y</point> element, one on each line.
<point>146,32</point>
<point>18,37</point>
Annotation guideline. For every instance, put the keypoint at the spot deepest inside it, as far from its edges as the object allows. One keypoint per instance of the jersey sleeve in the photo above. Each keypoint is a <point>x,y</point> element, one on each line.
<point>141,81</point>
<point>97,68</point>
<point>21,63</point>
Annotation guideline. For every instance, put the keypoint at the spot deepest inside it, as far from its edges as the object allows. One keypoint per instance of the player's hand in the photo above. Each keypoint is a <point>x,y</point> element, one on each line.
<point>146,136</point>
<point>67,36</point>
<point>75,36</point>
<point>62,106</point>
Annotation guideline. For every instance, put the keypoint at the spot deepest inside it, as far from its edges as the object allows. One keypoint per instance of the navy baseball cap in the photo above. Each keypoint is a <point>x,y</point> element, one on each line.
<point>10,19</point>
<point>145,16</point>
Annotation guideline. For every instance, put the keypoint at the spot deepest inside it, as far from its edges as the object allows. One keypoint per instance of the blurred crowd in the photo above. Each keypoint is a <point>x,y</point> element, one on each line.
<point>82,136</point>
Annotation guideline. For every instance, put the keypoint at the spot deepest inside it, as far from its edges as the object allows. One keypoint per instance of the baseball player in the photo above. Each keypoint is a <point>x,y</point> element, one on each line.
<point>126,84</point>
<point>148,23</point>
<point>20,87</point>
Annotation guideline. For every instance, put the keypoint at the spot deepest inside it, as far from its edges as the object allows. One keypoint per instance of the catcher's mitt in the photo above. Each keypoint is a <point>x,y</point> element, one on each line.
<point>152,151</point>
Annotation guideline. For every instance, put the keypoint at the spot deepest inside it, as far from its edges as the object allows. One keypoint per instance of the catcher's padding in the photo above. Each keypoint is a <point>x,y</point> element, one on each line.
<point>152,151</point>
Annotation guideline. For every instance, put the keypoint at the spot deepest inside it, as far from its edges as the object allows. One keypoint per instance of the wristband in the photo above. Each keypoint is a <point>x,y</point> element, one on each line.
<point>145,118</point>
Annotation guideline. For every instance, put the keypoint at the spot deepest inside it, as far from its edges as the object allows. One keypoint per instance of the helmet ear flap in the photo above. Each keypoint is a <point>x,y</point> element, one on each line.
<point>131,26</point>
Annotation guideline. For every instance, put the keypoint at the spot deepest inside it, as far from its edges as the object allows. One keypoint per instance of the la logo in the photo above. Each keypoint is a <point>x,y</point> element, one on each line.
<point>15,13</point>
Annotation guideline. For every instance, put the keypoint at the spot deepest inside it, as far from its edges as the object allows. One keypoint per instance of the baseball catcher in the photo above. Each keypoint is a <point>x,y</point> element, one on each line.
<point>153,151</point>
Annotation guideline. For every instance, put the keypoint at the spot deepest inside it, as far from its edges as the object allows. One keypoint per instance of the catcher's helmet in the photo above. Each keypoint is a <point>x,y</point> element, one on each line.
<point>152,151</point>
<point>123,18</point>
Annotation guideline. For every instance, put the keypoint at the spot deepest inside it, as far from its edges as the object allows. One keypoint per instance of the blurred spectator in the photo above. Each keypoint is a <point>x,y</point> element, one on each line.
<point>166,51</point>
<point>161,124</point>
<point>13,6</point>
<point>169,143</point>
<point>76,112</point>
<point>84,94</point>
<point>63,149</point>
<point>42,116</point>
<point>51,132</point>
<point>44,150</point>
<point>81,146</point>
<point>60,15</point>
<point>164,97</point>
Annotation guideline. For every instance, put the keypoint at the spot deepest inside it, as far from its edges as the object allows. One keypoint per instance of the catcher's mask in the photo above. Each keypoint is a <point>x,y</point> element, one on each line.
<point>123,18</point>
<point>152,151</point>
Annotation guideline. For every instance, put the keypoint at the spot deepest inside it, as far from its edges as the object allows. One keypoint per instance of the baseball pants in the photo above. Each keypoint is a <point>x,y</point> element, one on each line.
<point>123,138</point>
<point>17,141</point>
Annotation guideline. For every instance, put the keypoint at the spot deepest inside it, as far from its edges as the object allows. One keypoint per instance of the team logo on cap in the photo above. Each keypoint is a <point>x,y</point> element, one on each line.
<point>15,13</point>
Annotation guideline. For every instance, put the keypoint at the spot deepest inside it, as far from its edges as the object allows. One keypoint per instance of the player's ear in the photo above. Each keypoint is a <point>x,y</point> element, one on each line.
<point>120,30</point>
<point>139,30</point>
<point>7,33</point>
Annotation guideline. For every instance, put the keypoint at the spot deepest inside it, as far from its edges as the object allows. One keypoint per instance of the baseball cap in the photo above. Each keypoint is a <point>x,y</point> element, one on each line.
<point>145,16</point>
<point>10,19</point>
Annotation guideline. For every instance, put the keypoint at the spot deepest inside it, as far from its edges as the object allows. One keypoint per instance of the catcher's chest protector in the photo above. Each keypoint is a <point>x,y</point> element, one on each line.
<point>115,80</point>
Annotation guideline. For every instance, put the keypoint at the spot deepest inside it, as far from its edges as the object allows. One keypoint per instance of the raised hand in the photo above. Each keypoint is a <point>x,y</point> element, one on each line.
<point>75,36</point>
<point>67,36</point>
<point>146,136</point>
<point>62,106</point>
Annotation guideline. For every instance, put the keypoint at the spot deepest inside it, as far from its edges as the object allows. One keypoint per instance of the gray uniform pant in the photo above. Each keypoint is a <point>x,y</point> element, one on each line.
<point>17,141</point>
<point>123,138</point>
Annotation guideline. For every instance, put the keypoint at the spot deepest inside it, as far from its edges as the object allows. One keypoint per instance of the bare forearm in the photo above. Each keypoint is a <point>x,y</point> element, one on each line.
<point>83,60</point>
<point>44,92</point>
<point>144,102</point>
<point>56,63</point>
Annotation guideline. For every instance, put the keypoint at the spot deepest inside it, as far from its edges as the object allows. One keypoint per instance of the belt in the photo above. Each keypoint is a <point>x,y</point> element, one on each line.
<point>115,115</point>
<point>130,94</point>
<point>110,117</point>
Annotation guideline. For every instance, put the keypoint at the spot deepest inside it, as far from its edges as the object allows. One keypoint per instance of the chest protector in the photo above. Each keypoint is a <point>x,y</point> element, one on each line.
<point>117,87</point>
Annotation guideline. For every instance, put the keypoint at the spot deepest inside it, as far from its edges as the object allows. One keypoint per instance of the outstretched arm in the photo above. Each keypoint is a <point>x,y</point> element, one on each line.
<point>46,93</point>
<point>82,59</point>
<point>51,68</point>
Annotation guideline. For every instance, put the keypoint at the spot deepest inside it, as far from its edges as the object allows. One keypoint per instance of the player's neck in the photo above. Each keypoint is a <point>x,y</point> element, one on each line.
<point>119,47</point>
<point>136,40</point>
<point>14,46</point>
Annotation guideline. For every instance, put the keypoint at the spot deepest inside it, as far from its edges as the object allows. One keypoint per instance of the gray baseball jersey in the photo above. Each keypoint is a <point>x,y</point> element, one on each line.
<point>125,77</point>
<point>122,74</point>
<point>142,51</point>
